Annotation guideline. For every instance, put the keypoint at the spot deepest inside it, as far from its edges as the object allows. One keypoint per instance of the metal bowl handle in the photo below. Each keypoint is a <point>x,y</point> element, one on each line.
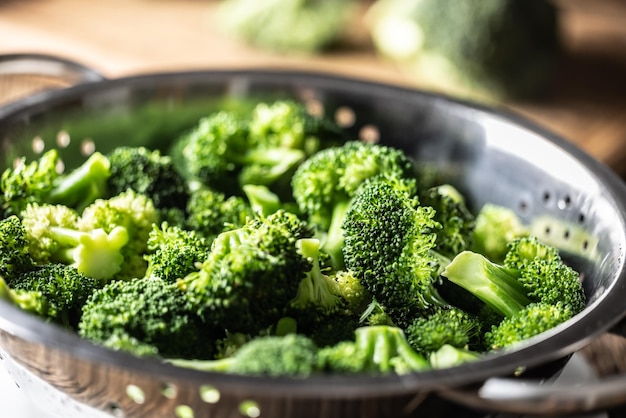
<point>534,397</point>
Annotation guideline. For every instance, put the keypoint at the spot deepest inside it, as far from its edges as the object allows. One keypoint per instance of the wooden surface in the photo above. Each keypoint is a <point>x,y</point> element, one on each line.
<point>119,37</point>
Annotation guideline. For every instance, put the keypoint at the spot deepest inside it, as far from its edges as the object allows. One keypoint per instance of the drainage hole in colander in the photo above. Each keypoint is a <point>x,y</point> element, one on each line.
<point>136,394</point>
<point>369,134</point>
<point>184,411</point>
<point>250,409</point>
<point>169,390</point>
<point>38,145</point>
<point>523,207</point>
<point>345,117</point>
<point>63,139</point>
<point>209,394</point>
<point>115,410</point>
<point>87,146</point>
<point>546,197</point>
<point>565,202</point>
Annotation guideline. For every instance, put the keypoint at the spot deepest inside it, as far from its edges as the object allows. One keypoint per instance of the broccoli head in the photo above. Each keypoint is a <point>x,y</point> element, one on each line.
<point>15,255</point>
<point>490,49</point>
<point>149,173</point>
<point>29,301</point>
<point>148,315</point>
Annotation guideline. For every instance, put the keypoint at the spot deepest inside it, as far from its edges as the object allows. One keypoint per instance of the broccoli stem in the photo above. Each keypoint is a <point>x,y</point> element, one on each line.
<point>278,161</point>
<point>334,239</point>
<point>388,350</point>
<point>220,365</point>
<point>96,254</point>
<point>316,288</point>
<point>262,200</point>
<point>85,184</point>
<point>494,284</point>
<point>33,302</point>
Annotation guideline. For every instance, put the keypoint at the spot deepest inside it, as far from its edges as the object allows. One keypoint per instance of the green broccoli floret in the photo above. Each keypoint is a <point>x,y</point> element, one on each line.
<point>291,355</point>
<point>64,288</point>
<point>445,326</point>
<point>15,255</point>
<point>149,173</point>
<point>252,273</point>
<point>29,301</point>
<point>496,226</point>
<point>226,151</point>
<point>129,210</point>
<point>389,244</point>
<point>375,350</point>
<point>457,222</point>
<point>533,274</point>
<point>262,200</point>
<point>301,26</point>
<point>148,316</point>
<point>54,237</point>
<point>210,212</point>
<point>326,183</point>
<point>488,49</point>
<point>173,253</point>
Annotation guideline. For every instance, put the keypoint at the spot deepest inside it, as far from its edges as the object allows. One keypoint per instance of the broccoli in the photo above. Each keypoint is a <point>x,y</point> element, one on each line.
<point>533,274</point>
<point>173,253</point>
<point>64,288</point>
<point>251,273</point>
<point>301,26</point>
<point>210,212</point>
<point>495,227</point>
<point>40,182</point>
<point>378,349</point>
<point>292,355</point>
<point>450,356</point>
<point>389,244</point>
<point>149,173</point>
<point>15,255</point>
<point>148,316</point>
<point>226,151</point>
<point>326,183</point>
<point>29,301</point>
<point>445,326</point>
<point>487,49</point>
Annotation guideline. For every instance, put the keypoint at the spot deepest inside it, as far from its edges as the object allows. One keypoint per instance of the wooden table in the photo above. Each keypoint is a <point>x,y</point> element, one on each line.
<point>120,37</point>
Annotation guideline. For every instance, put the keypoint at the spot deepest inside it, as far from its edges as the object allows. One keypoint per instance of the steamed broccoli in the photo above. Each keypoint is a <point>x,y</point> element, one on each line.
<point>495,227</point>
<point>29,301</point>
<point>148,316</point>
<point>302,26</point>
<point>251,273</point>
<point>533,274</point>
<point>326,183</point>
<point>490,49</point>
<point>63,287</point>
<point>15,255</point>
<point>41,182</point>
<point>149,173</point>
<point>389,244</point>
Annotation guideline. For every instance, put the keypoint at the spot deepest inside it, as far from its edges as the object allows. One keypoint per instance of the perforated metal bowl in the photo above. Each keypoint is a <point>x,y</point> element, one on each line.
<point>490,155</point>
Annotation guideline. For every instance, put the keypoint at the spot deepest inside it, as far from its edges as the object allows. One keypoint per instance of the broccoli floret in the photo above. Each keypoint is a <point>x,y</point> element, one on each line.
<point>457,222</point>
<point>147,172</point>
<point>174,252</point>
<point>262,200</point>
<point>54,237</point>
<point>301,26</point>
<point>375,350</point>
<point>64,288</point>
<point>210,212</point>
<point>534,274</point>
<point>15,255</point>
<point>493,49</point>
<point>496,226</point>
<point>291,355</point>
<point>252,273</point>
<point>450,356</point>
<point>27,182</point>
<point>148,315</point>
<point>532,320</point>
<point>445,326</point>
<point>389,244</point>
<point>29,301</point>
<point>327,182</point>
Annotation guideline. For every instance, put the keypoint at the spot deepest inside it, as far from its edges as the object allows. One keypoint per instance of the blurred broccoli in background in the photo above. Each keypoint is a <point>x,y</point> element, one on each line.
<point>485,49</point>
<point>300,26</point>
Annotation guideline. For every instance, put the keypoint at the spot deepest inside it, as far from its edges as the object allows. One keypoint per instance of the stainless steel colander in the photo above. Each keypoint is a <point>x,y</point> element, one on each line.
<point>491,156</point>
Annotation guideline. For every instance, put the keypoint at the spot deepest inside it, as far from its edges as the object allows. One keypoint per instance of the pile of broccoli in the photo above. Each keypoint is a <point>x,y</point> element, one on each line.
<point>270,244</point>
